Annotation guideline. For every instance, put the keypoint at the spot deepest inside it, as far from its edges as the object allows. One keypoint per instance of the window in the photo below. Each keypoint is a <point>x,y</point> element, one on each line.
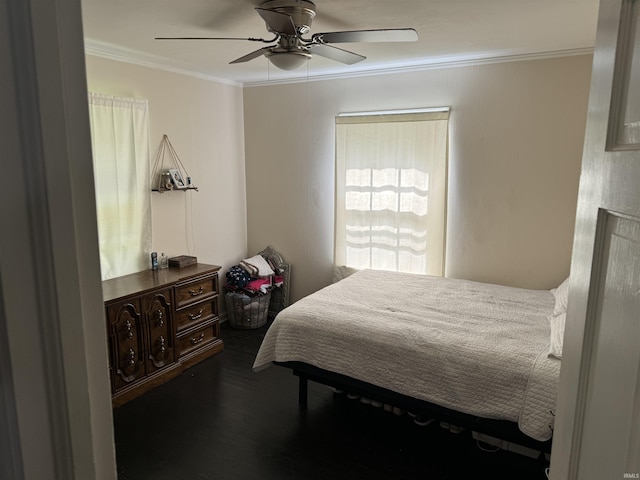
<point>120,144</point>
<point>391,176</point>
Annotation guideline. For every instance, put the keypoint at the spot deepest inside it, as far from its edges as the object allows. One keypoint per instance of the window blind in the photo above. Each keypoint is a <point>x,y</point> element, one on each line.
<point>391,184</point>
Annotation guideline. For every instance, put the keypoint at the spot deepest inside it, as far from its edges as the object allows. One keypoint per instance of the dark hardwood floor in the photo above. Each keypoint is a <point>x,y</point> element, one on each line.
<point>220,420</point>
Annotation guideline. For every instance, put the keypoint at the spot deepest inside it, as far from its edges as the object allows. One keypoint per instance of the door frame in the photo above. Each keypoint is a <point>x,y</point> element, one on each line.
<point>581,331</point>
<point>58,398</point>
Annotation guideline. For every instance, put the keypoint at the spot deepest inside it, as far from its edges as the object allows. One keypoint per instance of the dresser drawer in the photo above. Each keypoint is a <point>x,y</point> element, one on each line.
<point>197,339</point>
<point>193,315</point>
<point>196,290</point>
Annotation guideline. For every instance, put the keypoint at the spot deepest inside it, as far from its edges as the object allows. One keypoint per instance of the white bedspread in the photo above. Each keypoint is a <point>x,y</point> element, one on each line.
<point>472,347</point>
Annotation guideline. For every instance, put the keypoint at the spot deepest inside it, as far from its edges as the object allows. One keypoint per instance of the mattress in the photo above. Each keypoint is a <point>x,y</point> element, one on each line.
<point>473,347</point>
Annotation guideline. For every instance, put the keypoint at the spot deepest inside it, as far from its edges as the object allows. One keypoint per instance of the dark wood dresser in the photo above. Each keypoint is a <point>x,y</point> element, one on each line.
<point>159,322</point>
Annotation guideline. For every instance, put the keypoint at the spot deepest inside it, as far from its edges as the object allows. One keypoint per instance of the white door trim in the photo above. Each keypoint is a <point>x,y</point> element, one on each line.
<point>51,288</point>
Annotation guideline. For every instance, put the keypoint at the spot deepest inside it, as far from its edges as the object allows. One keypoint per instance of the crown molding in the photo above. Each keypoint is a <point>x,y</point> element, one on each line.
<point>430,64</point>
<point>120,54</point>
<point>135,57</point>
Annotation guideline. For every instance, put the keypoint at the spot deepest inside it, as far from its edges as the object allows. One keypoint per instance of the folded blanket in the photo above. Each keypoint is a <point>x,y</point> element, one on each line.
<point>261,285</point>
<point>237,277</point>
<point>257,266</point>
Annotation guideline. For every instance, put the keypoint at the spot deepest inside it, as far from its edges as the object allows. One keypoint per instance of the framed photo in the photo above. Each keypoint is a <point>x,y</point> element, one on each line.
<point>176,178</point>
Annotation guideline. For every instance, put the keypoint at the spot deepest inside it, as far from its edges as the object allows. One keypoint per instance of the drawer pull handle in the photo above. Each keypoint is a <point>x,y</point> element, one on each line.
<point>129,329</point>
<point>160,318</point>
<point>195,294</point>
<point>195,316</point>
<point>132,357</point>
<point>196,340</point>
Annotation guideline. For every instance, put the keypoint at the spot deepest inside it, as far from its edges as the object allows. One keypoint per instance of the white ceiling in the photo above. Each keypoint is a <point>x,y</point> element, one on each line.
<point>448,30</point>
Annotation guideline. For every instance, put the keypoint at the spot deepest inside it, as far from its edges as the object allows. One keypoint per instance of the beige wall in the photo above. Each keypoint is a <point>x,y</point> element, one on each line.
<point>516,135</point>
<point>515,150</point>
<point>203,120</point>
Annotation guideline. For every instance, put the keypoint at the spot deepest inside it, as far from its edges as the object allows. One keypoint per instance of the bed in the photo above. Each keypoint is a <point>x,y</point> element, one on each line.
<point>476,354</point>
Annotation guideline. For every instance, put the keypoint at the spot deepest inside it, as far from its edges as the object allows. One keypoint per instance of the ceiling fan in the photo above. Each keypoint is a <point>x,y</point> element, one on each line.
<point>290,20</point>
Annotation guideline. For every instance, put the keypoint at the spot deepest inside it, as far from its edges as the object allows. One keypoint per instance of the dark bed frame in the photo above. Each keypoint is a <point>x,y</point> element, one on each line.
<point>502,429</point>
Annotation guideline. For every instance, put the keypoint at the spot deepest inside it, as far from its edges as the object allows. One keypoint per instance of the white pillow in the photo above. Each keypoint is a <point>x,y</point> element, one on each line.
<point>557,334</point>
<point>561,294</point>
<point>261,265</point>
<point>340,272</point>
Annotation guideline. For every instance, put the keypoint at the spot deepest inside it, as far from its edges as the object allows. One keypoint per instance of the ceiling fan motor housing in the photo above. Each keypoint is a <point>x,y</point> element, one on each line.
<point>302,12</point>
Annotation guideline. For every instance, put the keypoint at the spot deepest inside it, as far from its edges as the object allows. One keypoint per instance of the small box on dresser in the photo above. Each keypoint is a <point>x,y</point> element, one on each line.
<point>182,261</point>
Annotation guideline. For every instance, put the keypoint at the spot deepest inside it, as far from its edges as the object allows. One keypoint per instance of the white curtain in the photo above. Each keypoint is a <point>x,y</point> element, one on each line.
<point>391,177</point>
<point>120,142</point>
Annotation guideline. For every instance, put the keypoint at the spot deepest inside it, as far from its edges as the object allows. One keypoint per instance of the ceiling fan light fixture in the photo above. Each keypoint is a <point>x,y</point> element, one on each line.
<point>288,60</point>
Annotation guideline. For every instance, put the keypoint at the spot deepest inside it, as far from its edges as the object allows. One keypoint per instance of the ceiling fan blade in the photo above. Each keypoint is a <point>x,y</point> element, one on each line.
<point>383,35</point>
<point>250,39</point>
<point>278,22</point>
<point>335,53</point>
<point>251,56</point>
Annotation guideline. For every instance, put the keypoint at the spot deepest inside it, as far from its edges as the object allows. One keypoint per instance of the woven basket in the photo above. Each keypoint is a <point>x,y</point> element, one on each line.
<point>247,312</point>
